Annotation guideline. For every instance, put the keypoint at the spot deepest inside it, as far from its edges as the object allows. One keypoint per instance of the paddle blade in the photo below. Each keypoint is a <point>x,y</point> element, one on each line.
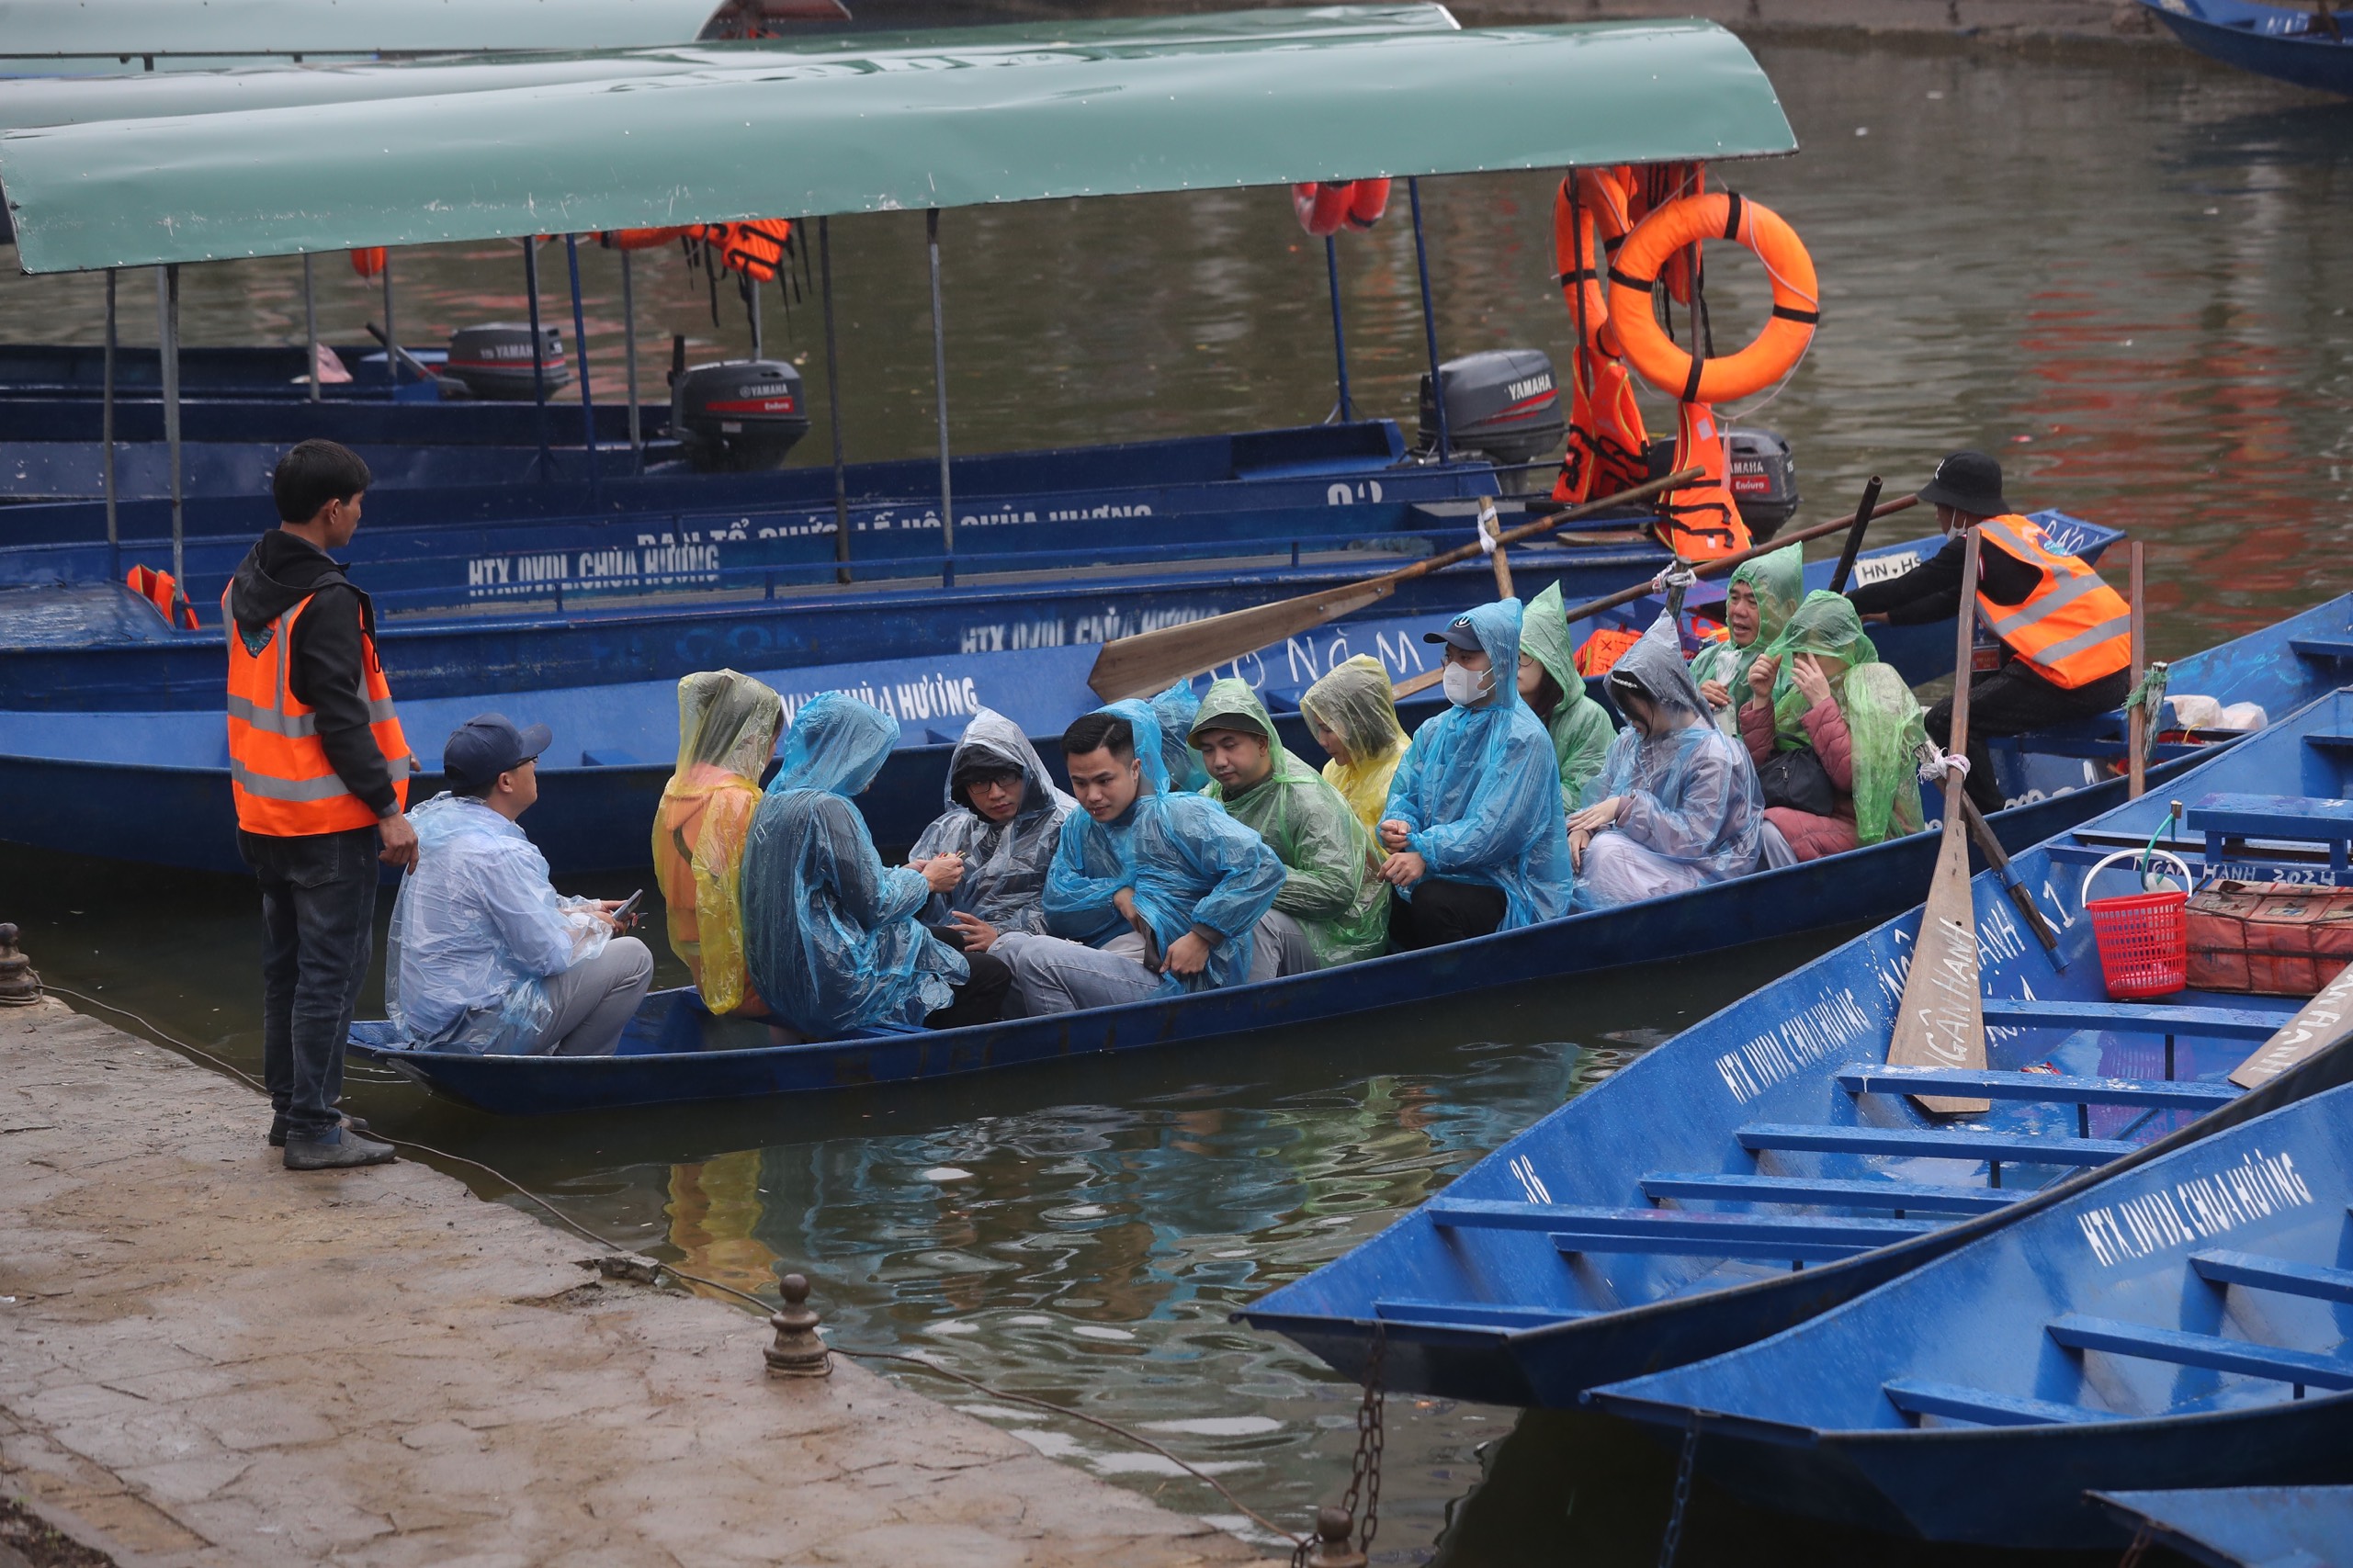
<point>2321,1025</point>
<point>1942,1023</point>
<point>1152,661</point>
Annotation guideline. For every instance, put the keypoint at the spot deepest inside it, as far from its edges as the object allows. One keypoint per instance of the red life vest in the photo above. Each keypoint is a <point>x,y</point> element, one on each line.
<point>159,590</point>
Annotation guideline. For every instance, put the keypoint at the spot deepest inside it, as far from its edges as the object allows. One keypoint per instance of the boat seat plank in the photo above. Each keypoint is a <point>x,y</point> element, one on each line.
<point>2226,1268</point>
<point>1863,1077</point>
<point>2211,1352</point>
<point>1600,1221</point>
<point>1688,1242</point>
<point>1950,1143</point>
<point>2329,743</point>
<point>1470,1314</point>
<point>1919,1396</point>
<point>2133,1018</point>
<point>2322,648</point>
<point>1825,1190</point>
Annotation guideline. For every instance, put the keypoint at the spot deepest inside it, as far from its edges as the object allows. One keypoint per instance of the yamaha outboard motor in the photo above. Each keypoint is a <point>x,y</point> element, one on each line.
<point>737,417</point>
<point>1763,480</point>
<point>1503,405</point>
<point>494,360</point>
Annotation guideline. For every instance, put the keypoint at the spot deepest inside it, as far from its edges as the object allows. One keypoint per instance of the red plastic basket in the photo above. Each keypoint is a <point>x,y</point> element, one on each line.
<point>2143,937</point>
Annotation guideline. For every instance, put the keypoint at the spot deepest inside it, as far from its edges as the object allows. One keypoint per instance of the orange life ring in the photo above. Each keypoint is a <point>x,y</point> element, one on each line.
<point>638,238</point>
<point>1323,205</point>
<point>1774,353</point>
<point>1367,200</point>
<point>368,260</point>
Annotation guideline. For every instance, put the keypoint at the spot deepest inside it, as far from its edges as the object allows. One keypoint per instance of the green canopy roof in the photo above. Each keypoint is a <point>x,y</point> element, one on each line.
<point>789,131</point>
<point>84,35</point>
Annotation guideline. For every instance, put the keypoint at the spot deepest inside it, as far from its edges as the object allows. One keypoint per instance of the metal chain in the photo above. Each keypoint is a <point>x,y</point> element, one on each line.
<point>1364,1474</point>
<point>1682,1493</point>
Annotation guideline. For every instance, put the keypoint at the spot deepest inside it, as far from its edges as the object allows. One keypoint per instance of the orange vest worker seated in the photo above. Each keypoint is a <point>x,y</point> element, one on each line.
<point>2065,647</point>
<point>320,770</point>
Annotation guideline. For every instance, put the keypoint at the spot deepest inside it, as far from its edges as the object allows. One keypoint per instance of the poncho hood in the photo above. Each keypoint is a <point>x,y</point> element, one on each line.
<point>992,741</point>
<point>1543,636</point>
<point>838,745</point>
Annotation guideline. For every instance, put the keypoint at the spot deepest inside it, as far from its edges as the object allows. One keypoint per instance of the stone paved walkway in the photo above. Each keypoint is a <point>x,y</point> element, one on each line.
<point>212,1361</point>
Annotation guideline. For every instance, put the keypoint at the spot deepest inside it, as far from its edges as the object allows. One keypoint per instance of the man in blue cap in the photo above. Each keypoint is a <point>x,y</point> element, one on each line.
<point>485,956</point>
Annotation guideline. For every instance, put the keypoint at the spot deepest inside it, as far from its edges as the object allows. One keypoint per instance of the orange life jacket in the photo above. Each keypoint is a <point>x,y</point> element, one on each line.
<point>278,770</point>
<point>368,260</point>
<point>754,247</point>
<point>1606,438</point>
<point>159,590</point>
<point>1701,520</point>
<point>2073,628</point>
<point>1597,653</point>
<point>1325,207</point>
<point>636,239</point>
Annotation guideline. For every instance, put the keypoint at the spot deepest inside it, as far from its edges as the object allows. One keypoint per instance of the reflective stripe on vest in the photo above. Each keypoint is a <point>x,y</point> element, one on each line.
<point>278,770</point>
<point>2073,628</point>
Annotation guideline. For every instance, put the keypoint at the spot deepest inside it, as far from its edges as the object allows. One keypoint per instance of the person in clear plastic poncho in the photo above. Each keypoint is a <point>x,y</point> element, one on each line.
<point>1173,710</point>
<point>1003,819</point>
<point>1549,683</point>
<point>1473,824</point>
<point>1676,804</point>
<point>727,728</point>
<point>1758,603</point>
<point>831,936</point>
<point>1192,886</point>
<point>1352,711</point>
<point>1821,687</point>
<point>1329,886</point>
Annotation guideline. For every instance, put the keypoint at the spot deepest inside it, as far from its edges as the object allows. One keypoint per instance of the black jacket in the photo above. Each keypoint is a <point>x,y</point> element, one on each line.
<point>325,666</point>
<point>1931,591</point>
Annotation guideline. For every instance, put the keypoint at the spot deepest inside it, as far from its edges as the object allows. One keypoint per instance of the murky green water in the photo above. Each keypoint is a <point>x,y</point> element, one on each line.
<point>2124,274</point>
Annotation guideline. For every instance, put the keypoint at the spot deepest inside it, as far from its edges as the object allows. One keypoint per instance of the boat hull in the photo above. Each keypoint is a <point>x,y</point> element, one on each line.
<point>2236,35</point>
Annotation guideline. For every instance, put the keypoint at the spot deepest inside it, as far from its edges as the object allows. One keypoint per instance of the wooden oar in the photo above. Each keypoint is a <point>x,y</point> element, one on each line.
<point>1150,662</point>
<point>2321,1023</point>
<point>1716,567</point>
<point>1990,846</point>
<point>1942,1022</point>
<point>1848,552</point>
<point>2137,720</point>
<point>1487,530</point>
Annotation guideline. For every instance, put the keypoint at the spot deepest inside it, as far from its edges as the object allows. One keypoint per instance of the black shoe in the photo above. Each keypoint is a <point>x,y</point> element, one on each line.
<point>349,1150</point>
<point>277,1128</point>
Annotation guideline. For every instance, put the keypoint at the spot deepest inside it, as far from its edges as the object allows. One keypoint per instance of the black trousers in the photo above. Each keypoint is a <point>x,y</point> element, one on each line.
<point>2011,701</point>
<point>981,998</point>
<point>1442,912</point>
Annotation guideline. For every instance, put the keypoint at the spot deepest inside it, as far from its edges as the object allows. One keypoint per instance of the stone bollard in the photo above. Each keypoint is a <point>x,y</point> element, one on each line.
<point>20,987</point>
<point>799,1351</point>
<point>1331,1549</point>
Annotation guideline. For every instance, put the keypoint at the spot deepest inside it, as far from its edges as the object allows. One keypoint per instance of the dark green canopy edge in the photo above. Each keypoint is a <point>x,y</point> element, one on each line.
<point>793,133</point>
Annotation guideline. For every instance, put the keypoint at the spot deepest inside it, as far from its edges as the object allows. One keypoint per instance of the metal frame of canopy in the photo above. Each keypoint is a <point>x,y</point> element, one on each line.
<point>978,116</point>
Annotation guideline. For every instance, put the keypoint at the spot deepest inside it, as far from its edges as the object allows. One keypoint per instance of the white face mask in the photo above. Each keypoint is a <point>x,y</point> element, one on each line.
<point>1463,686</point>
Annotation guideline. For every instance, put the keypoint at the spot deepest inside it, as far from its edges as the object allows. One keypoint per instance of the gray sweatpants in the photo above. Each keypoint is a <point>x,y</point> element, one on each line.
<point>594,1000</point>
<point>1057,976</point>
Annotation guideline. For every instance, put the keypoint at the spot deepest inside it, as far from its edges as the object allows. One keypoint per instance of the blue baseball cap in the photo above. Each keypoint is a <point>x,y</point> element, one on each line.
<point>488,745</point>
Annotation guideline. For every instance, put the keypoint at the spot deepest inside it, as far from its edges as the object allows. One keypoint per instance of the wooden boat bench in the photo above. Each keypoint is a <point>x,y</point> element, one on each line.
<point>1917,1396</point>
<point>2210,1352</point>
<point>1691,1232</point>
<point>2131,1018</point>
<point>2222,1267</point>
<point>2297,818</point>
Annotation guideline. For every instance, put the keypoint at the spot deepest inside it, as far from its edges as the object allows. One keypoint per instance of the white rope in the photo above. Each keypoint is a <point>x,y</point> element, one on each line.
<point>1678,576</point>
<point>1934,768</point>
<point>1486,525</point>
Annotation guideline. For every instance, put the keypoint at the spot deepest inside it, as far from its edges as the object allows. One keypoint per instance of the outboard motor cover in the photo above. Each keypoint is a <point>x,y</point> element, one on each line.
<point>1503,405</point>
<point>740,416</point>
<point>1763,480</point>
<point>494,359</point>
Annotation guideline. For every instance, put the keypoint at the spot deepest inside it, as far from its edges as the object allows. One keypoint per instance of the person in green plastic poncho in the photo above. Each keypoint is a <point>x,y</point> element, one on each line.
<point>1757,603</point>
<point>1556,693</point>
<point>1821,687</point>
<point>1329,886</point>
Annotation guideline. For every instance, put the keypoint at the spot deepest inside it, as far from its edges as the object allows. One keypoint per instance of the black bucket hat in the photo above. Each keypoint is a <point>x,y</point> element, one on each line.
<point>1967,482</point>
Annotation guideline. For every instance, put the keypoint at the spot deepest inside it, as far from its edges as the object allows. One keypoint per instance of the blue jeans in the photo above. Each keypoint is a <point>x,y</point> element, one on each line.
<point>317,920</point>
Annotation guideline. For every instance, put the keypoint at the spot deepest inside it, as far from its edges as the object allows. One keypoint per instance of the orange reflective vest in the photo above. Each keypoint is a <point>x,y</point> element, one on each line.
<point>159,588</point>
<point>279,770</point>
<point>2073,628</point>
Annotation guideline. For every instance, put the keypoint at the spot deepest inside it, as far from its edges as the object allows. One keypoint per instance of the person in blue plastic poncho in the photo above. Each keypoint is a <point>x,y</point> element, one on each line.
<point>1474,827</point>
<point>1676,804</point>
<point>484,956</point>
<point>1192,886</point>
<point>832,938</point>
<point>1175,709</point>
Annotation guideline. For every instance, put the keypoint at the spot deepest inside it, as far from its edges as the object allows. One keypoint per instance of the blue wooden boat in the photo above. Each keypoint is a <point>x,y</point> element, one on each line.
<point>2180,1323</point>
<point>1758,1168</point>
<point>676,1052</point>
<point>2312,47</point>
<point>73,777</point>
<point>2242,1527</point>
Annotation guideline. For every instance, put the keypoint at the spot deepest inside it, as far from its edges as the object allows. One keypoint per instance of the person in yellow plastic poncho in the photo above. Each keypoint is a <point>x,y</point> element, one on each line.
<point>1763,594</point>
<point>1556,693</point>
<point>727,728</point>
<point>1353,713</point>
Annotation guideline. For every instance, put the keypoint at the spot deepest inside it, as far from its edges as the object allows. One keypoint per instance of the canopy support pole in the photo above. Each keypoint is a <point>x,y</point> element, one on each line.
<point>580,366</point>
<point>391,336</point>
<point>759,338</point>
<point>167,311</point>
<point>629,356</point>
<point>833,405</point>
<point>538,360</point>
<point>1428,320</point>
<point>940,379</point>
<point>311,322</point>
<point>105,429</point>
<point>1339,337</point>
